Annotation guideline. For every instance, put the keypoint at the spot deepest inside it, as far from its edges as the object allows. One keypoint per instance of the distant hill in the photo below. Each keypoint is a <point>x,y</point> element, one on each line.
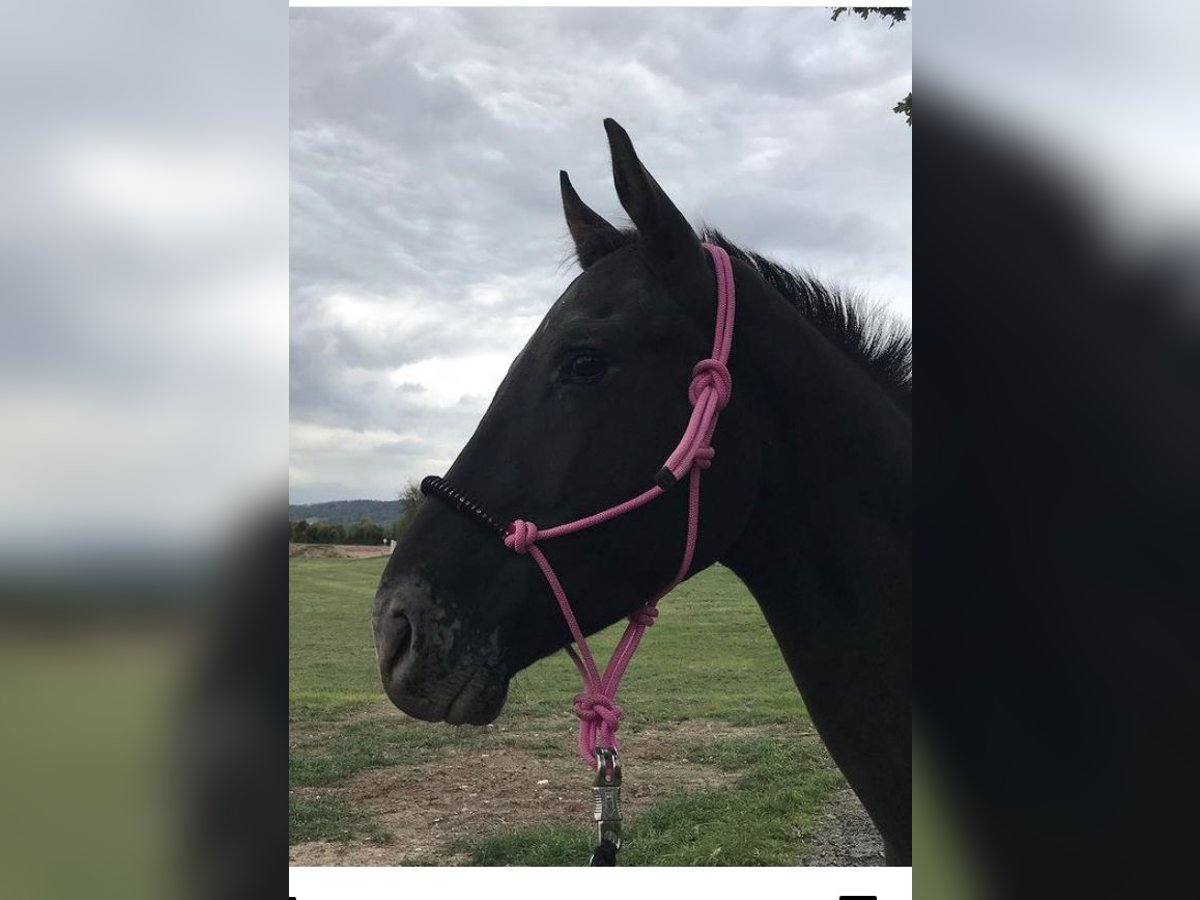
<point>347,512</point>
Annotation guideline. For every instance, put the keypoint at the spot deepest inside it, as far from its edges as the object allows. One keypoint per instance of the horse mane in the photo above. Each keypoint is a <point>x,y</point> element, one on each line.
<point>876,341</point>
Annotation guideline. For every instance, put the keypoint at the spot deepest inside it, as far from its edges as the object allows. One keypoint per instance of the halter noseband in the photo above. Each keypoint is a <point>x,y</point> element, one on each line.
<point>708,393</point>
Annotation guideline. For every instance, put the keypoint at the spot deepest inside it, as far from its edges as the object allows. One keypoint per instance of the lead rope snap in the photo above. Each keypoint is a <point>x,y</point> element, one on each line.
<point>606,807</point>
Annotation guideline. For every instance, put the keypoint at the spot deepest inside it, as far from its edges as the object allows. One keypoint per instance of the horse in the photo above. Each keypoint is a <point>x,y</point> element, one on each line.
<point>808,499</point>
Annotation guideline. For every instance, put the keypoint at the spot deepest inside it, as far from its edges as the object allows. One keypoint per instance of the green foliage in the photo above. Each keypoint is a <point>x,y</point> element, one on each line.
<point>896,14</point>
<point>303,532</point>
<point>364,532</point>
<point>363,522</point>
<point>411,499</point>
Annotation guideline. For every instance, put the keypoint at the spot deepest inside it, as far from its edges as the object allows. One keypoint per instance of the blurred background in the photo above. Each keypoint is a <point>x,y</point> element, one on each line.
<point>1059,448</point>
<point>143,382</point>
<point>143,450</point>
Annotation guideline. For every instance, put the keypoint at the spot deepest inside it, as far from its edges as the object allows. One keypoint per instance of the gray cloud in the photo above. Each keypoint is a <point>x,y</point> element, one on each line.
<point>427,237</point>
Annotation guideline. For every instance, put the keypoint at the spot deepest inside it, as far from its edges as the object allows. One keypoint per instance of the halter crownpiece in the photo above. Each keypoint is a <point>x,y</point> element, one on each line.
<point>709,393</point>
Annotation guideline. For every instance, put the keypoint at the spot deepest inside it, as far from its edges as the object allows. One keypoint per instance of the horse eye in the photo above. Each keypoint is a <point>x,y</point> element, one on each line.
<point>585,366</point>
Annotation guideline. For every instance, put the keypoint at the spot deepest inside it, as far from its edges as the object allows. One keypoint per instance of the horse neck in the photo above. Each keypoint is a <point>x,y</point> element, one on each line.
<point>827,550</point>
<point>834,502</point>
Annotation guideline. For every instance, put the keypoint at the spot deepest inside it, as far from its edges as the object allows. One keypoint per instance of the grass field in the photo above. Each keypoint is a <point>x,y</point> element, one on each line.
<point>88,718</point>
<point>721,763</point>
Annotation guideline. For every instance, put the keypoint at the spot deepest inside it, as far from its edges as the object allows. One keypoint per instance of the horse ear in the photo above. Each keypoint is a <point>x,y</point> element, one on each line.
<point>593,236</point>
<point>661,226</point>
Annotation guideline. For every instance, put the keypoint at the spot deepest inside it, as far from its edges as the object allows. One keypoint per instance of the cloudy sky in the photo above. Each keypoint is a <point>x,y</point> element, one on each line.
<point>427,238</point>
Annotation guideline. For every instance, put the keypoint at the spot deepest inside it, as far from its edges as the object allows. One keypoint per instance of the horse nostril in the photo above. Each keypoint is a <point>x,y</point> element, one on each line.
<point>403,633</point>
<point>397,638</point>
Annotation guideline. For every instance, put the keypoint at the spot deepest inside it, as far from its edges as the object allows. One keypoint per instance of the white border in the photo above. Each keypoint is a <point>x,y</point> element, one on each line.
<point>321,883</point>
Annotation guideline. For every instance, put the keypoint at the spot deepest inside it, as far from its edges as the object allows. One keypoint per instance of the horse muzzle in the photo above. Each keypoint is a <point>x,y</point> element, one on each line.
<point>432,667</point>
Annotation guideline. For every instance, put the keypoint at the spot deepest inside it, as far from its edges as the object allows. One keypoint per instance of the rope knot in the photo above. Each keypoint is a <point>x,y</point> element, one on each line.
<point>595,707</point>
<point>644,616</point>
<point>521,535</point>
<point>711,374</point>
<point>704,457</point>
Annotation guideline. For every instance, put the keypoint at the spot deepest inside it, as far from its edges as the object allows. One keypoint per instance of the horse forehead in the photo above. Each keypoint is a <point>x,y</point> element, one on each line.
<point>602,294</point>
<point>607,315</point>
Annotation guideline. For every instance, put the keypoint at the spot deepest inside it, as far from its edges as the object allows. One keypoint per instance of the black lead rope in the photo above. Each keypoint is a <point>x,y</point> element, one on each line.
<point>605,854</point>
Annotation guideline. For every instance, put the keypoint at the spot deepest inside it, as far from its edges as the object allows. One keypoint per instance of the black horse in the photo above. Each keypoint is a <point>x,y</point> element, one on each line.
<point>809,499</point>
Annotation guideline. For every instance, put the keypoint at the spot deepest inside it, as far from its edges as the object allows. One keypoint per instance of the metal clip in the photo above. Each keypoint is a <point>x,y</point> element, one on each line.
<point>606,796</point>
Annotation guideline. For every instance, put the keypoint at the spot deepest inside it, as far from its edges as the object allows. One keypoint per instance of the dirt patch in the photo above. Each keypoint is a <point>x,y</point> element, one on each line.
<point>845,837</point>
<point>468,792</point>
<point>335,551</point>
<point>472,790</point>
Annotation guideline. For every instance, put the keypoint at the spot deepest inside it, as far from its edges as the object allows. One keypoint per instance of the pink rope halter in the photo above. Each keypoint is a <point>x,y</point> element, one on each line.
<point>709,392</point>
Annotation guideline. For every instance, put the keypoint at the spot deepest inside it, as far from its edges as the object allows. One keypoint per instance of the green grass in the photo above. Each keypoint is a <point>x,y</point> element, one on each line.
<point>87,761</point>
<point>329,819</point>
<point>318,818</point>
<point>368,745</point>
<point>762,821</point>
<point>710,656</point>
<point>332,659</point>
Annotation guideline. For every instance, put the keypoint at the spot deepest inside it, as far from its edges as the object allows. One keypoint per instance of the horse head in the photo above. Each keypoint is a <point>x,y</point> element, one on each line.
<point>584,419</point>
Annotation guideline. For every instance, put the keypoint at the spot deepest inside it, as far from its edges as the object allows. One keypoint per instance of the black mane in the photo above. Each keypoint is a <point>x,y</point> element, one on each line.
<point>877,342</point>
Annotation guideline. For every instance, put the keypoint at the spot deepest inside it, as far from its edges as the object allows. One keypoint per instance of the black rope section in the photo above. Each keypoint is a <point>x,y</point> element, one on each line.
<point>436,486</point>
<point>605,854</point>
